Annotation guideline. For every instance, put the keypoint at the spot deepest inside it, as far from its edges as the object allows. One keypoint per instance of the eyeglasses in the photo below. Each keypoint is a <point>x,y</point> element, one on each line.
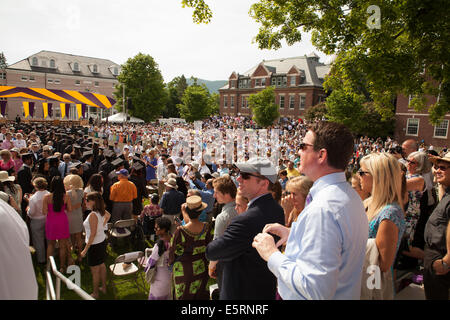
<point>442,168</point>
<point>303,146</point>
<point>362,173</point>
<point>411,161</point>
<point>246,175</point>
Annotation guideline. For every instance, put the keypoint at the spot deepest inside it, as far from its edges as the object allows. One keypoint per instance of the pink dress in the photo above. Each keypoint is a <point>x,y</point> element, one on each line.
<point>57,224</point>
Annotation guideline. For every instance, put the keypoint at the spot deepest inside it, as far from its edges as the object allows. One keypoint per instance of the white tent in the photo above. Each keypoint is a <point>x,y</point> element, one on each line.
<point>120,117</point>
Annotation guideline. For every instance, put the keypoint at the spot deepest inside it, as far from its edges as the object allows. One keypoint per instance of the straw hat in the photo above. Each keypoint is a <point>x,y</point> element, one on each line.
<point>171,183</point>
<point>434,159</point>
<point>5,177</point>
<point>195,203</point>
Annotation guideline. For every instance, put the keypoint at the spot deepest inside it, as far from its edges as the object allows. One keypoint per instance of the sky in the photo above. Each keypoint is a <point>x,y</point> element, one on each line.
<point>119,29</point>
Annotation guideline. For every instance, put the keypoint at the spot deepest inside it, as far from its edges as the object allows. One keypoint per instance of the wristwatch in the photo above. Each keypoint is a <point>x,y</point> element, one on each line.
<point>444,264</point>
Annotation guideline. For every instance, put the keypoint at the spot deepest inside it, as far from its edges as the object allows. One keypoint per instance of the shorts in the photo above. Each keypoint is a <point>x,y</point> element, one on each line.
<point>96,254</point>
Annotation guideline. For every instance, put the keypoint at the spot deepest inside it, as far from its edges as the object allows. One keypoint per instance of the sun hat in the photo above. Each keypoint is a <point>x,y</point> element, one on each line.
<point>5,177</point>
<point>194,203</point>
<point>435,159</point>
<point>171,183</point>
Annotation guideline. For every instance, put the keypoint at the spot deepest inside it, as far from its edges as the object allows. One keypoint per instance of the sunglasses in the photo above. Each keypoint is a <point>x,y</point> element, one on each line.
<point>362,173</point>
<point>302,146</point>
<point>411,161</point>
<point>442,168</point>
<point>246,175</point>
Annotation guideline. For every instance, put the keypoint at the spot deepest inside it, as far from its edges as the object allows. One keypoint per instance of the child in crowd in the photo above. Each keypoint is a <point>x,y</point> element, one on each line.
<point>149,214</point>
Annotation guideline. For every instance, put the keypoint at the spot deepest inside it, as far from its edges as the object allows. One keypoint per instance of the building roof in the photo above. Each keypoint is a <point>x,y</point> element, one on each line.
<point>313,70</point>
<point>65,64</point>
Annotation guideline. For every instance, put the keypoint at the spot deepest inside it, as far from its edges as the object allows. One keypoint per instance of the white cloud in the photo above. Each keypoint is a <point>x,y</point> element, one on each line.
<point>117,30</point>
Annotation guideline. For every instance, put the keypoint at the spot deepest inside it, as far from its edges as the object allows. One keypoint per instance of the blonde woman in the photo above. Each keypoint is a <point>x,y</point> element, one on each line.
<point>381,176</point>
<point>74,187</point>
<point>293,203</point>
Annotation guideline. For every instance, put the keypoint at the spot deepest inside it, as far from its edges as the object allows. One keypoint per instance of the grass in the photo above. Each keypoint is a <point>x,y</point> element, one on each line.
<point>125,290</point>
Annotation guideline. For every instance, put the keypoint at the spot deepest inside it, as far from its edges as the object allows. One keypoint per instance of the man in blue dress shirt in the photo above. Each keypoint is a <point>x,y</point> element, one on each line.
<point>325,247</point>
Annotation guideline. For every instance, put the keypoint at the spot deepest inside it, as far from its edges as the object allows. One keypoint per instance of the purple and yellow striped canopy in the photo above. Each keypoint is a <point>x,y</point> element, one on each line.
<point>67,96</point>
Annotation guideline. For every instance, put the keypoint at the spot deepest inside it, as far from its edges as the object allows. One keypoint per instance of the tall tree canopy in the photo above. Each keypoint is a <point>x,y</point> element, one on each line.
<point>144,85</point>
<point>196,103</point>
<point>263,107</point>
<point>406,50</point>
<point>175,90</point>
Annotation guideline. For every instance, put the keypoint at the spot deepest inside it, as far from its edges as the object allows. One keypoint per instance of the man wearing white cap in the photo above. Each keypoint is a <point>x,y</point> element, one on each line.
<point>245,274</point>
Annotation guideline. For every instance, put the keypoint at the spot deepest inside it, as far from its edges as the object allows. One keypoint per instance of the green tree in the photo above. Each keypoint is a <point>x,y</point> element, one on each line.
<point>196,103</point>
<point>263,107</point>
<point>175,90</point>
<point>144,85</point>
<point>408,53</point>
<point>316,112</point>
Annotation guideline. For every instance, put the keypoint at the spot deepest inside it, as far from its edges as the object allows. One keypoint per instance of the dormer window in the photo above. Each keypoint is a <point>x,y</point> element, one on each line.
<point>94,68</point>
<point>34,61</point>
<point>76,66</point>
<point>52,63</point>
<point>116,71</point>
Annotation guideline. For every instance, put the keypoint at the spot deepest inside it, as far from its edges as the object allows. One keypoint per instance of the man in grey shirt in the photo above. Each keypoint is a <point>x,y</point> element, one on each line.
<point>225,193</point>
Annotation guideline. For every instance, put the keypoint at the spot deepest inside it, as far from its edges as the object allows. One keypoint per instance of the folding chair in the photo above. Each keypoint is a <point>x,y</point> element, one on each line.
<point>119,230</point>
<point>132,272</point>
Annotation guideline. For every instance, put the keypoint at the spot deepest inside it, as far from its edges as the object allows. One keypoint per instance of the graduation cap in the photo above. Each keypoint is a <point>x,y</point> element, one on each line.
<point>76,146</point>
<point>26,155</point>
<point>75,164</point>
<point>137,166</point>
<point>88,153</point>
<point>117,162</point>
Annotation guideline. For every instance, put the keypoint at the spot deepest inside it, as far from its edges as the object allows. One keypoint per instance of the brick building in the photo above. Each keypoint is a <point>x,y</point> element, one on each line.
<point>411,124</point>
<point>54,70</point>
<point>297,81</point>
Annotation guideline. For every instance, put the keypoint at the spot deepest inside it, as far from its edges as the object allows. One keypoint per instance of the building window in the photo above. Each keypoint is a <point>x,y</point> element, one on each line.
<point>57,81</point>
<point>52,63</point>
<point>274,81</point>
<point>116,71</point>
<point>412,127</point>
<point>225,102</point>
<point>263,82</point>
<point>232,102</point>
<point>32,78</point>
<point>96,83</point>
<point>233,83</point>
<point>281,102</point>
<point>76,66</point>
<point>34,61</point>
<point>440,131</point>
<point>94,68</point>
<point>284,79</point>
<point>257,82</point>
<point>77,82</point>
<point>279,81</point>
<point>292,81</point>
<point>24,78</point>
<point>49,80</point>
<point>291,102</point>
<point>302,103</point>
<point>3,75</point>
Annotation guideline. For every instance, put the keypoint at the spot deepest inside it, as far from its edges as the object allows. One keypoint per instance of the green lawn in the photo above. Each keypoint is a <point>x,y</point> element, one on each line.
<point>125,291</point>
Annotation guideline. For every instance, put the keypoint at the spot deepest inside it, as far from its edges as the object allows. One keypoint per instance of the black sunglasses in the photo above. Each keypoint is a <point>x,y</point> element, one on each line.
<point>362,173</point>
<point>303,146</point>
<point>442,168</point>
<point>246,175</point>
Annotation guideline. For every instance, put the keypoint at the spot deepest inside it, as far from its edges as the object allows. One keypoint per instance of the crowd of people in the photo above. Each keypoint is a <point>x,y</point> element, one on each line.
<point>296,229</point>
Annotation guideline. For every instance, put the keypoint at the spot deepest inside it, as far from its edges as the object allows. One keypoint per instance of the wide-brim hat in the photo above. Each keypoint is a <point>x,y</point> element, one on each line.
<point>194,203</point>
<point>435,159</point>
<point>171,183</point>
<point>5,177</point>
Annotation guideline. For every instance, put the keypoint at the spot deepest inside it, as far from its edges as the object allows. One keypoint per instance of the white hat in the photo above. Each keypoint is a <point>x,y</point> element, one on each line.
<point>259,165</point>
<point>5,177</point>
<point>215,174</point>
<point>171,183</point>
<point>195,165</point>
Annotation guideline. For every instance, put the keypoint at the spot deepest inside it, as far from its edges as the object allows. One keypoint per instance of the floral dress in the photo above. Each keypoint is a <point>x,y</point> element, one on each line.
<point>190,266</point>
<point>412,213</point>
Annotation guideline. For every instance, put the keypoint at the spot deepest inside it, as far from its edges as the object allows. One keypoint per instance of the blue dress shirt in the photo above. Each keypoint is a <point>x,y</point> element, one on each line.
<point>326,247</point>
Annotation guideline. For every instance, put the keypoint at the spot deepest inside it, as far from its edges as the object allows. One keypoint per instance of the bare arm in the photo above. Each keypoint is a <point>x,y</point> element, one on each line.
<point>415,184</point>
<point>45,205</point>
<point>93,221</point>
<point>68,203</point>
<point>386,240</point>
